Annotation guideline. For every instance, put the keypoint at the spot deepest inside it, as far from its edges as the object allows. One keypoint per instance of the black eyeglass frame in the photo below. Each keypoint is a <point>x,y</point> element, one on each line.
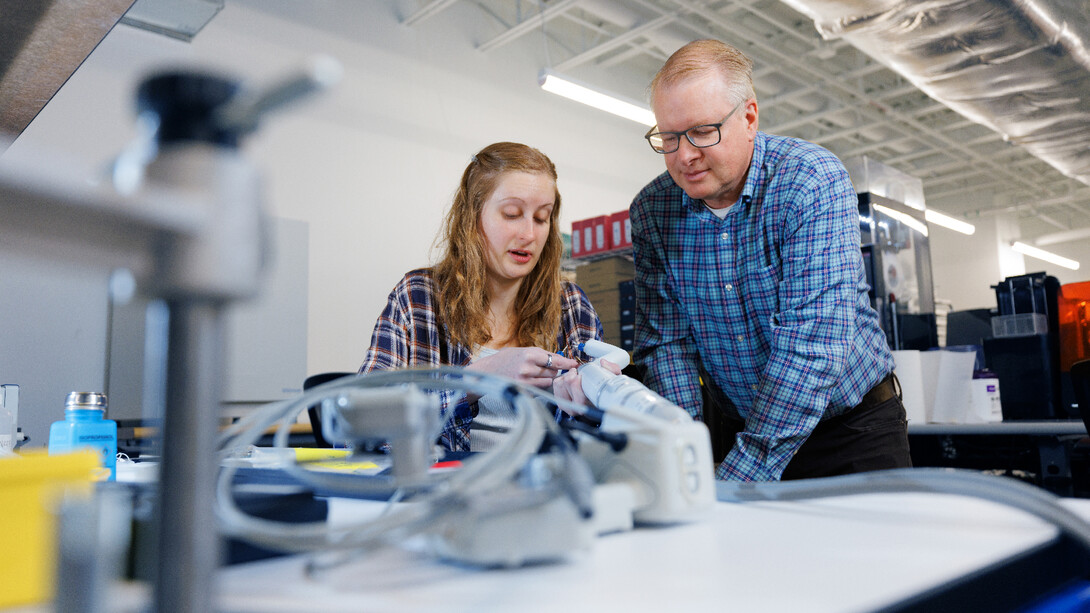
<point>718,133</point>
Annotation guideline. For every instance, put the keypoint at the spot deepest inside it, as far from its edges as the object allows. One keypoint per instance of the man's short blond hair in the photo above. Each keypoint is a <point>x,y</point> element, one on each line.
<point>702,56</point>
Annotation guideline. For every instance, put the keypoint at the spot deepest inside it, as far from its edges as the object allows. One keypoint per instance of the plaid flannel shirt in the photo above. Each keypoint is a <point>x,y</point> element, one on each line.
<point>770,301</point>
<point>407,335</point>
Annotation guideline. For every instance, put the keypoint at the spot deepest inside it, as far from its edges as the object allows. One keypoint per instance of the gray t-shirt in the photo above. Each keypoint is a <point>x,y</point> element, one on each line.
<point>495,416</point>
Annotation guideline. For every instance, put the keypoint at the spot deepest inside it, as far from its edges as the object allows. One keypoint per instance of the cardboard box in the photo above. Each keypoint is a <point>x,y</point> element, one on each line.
<point>611,332</point>
<point>613,299</point>
<point>605,273</point>
<point>606,304</point>
<point>597,282</point>
<point>591,282</point>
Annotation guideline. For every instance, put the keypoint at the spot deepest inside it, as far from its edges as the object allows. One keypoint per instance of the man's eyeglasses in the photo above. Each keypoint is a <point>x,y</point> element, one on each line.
<point>699,136</point>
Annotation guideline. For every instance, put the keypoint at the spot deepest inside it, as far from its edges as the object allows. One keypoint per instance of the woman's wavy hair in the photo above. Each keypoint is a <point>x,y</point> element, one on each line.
<point>461,274</point>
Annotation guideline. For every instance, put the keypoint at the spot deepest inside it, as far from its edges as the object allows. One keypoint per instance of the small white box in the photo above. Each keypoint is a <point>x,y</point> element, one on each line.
<point>986,406</point>
<point>909,372</point>
<point>953,386</point>
<point>936,386</point>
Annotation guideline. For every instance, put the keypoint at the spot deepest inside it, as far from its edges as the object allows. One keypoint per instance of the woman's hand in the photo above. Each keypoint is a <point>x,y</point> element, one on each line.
<point>569,386</point>
<point>529,365</point>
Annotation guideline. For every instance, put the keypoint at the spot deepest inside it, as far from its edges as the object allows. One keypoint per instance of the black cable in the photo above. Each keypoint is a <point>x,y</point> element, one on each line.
<point>617,441</point>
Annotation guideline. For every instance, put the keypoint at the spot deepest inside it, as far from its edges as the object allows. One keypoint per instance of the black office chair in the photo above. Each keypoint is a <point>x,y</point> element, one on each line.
<point>314,411</point>
<point>1080,379</point>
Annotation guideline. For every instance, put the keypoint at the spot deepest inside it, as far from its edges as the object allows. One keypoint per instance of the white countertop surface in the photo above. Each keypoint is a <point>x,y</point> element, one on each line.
<point>852,553</point>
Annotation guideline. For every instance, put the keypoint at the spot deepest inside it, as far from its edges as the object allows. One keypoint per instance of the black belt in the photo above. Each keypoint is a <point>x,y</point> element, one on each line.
<point>885,389</point>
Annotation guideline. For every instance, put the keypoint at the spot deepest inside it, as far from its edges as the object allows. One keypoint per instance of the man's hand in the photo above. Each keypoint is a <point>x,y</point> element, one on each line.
<point>569,386</point>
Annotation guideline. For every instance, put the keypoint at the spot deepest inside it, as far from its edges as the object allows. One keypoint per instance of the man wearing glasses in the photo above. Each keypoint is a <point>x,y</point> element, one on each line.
<point>749,277</point>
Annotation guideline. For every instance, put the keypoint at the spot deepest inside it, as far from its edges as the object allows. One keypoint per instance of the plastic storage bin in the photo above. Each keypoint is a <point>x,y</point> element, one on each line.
<point>31,486</point>
<point>1022,324</point>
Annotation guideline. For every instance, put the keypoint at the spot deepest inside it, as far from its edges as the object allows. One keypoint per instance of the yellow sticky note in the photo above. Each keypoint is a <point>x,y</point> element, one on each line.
<point>335,460</point>
<point>315,454</point>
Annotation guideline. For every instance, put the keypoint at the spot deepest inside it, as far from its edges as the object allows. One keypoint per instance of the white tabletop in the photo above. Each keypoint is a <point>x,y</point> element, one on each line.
<point>853,553</point>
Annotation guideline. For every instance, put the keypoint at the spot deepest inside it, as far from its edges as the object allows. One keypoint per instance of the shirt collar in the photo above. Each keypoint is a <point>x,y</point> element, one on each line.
<point>694,206</point>
<point>755,174</point>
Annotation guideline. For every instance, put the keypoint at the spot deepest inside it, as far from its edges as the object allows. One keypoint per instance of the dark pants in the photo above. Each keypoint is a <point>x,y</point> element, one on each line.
<point>871,436</point>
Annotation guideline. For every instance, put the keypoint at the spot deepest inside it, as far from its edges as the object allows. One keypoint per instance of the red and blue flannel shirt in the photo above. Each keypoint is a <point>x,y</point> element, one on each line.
<point>408,335</point>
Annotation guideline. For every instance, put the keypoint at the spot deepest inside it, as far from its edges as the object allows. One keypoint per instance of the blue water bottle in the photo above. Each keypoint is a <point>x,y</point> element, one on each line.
<point>84,427</point>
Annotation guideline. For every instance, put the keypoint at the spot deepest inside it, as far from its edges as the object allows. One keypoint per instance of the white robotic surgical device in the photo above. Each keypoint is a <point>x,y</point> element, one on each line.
<point>664,469</point>
<point>540,495</point>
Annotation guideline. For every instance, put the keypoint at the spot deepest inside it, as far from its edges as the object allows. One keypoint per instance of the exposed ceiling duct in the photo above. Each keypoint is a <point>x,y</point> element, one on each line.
<point>1020,67</point>
<point>983,100</point>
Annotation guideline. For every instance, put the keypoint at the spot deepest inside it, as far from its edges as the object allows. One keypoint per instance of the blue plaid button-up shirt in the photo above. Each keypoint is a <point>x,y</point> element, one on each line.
<point>407,334</point>
<point>771,301</point>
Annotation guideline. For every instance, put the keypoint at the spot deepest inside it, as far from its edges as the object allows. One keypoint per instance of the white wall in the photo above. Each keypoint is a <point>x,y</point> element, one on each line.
<point>965,267</point>
<point>372,164</point>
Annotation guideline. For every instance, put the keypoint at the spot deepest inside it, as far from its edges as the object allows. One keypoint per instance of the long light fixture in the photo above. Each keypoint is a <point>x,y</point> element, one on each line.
<point>941,219</point>
<point>904,218</point>
<point>1047,256</point>
<point>573,90</point>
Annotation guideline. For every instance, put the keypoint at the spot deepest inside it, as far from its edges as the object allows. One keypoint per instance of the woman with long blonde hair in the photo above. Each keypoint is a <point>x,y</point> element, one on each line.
<point>495,302</point>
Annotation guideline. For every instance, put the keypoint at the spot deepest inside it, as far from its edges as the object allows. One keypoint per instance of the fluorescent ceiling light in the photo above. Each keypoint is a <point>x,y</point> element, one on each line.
<point>563,86</point>
<point>946,221</point>
<point>904,218</point>
<point>1047,256</point>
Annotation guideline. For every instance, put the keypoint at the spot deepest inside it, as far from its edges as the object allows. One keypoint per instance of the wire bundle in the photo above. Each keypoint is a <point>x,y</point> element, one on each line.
<point>434,497</point>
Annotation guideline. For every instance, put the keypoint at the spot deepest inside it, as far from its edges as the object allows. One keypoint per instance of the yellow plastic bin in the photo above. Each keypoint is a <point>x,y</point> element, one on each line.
<point>32,484</point>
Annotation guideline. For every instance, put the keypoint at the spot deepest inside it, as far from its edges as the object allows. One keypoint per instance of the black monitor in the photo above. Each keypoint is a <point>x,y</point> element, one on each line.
<point>969,327</point>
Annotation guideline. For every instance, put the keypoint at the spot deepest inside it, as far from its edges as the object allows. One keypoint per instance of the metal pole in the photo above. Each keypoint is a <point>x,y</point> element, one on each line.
<point>189,545</point>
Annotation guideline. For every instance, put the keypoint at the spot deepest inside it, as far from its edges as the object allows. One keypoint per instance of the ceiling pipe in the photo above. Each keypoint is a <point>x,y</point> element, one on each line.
<point>1019,67</point>
<point>1062,237</point>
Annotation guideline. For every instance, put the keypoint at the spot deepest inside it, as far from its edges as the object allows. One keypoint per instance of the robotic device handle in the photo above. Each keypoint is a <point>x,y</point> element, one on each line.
<point>604,351</point>
<point>666,466</point>
<point>609,391</point>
